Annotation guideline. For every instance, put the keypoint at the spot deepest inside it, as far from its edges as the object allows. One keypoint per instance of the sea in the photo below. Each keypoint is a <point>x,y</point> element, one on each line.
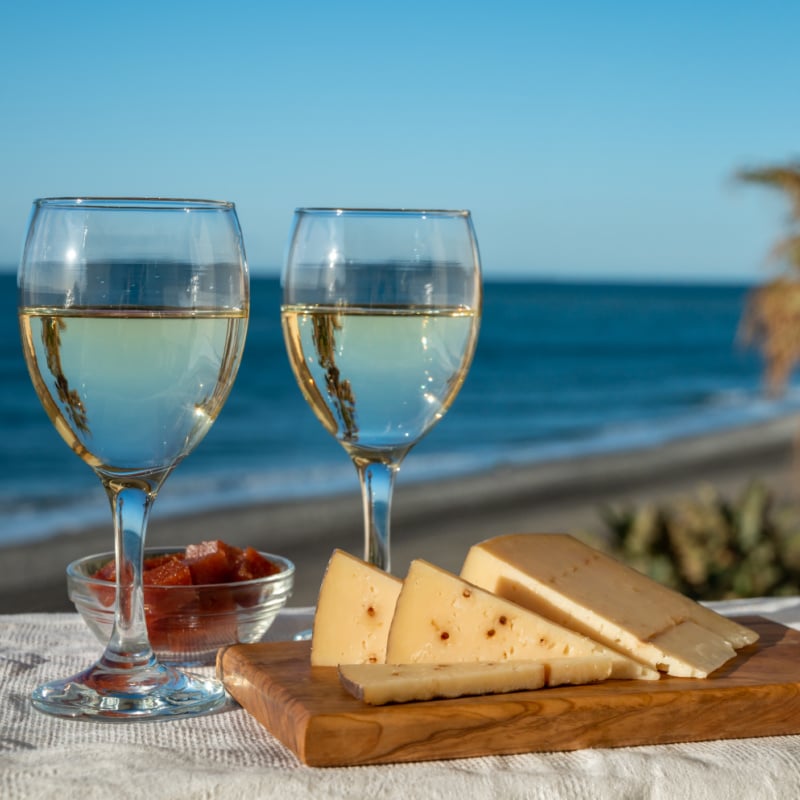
<point>562,369</point>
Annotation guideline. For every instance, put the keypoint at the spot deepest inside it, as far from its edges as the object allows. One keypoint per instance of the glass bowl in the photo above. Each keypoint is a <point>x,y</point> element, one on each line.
<point>187,624</point>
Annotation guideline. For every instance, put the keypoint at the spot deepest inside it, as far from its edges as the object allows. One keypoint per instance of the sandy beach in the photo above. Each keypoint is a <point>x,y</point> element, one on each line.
<point>437,521</point>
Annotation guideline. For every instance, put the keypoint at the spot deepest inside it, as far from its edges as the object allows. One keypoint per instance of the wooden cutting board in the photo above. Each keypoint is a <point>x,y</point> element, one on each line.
<point>756,694</point>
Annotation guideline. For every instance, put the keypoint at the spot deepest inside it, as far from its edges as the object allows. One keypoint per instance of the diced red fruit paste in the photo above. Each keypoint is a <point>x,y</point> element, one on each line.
<point>207,562</point>
<point>200,564</point>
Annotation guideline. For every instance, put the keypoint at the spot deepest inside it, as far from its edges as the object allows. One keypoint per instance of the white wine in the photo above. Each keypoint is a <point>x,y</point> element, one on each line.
<point>132,390</point>
<point>379,378</point>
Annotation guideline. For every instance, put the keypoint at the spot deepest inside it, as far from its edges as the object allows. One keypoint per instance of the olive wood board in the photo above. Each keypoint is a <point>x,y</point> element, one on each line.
<point>755,694</point>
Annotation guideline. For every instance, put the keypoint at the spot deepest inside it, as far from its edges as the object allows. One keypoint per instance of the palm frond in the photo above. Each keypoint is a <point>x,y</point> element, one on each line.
<point>771,319</point>
<point>785,178</point>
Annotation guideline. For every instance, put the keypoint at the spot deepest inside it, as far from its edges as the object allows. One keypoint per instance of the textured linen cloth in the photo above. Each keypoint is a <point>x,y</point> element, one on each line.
<point>230,755</point>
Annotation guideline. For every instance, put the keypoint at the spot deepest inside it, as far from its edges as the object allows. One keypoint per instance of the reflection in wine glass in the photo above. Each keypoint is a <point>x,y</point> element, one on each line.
<point>381,310</point>
<point>133,314</point>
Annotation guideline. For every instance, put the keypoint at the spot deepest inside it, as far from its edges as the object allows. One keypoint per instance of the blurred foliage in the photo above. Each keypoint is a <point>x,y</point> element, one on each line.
<point>771,319</point>
<point>706,546</point>
<point>711,548</point>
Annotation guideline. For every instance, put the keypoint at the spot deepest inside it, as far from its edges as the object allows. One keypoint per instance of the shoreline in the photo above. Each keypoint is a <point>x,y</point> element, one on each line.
<point>437,520</point>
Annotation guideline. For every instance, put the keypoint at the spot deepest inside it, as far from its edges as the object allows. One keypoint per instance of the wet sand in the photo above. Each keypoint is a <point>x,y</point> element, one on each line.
<point>437,520</point>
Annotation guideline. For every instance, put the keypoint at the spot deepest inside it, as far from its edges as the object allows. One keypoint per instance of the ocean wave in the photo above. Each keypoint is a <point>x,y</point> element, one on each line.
<point>35,519</point>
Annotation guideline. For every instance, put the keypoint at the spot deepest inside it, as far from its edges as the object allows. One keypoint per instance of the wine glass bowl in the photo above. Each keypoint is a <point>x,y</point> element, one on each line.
<point>133,315</point>
<point>381,310</point>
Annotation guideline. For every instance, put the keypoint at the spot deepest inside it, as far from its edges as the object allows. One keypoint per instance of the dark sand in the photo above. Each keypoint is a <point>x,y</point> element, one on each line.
<point>439,520</point>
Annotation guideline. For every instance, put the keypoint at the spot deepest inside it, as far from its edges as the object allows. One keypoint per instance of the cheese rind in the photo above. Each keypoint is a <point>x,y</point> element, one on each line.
<point>579,587</point>
<point>440,618</point>
<point>354,611</point>
<point>378,684</point>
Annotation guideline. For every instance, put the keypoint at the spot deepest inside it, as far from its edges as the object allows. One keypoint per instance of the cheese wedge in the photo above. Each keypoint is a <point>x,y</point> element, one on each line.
<point>378,684</point>
<point>354,610</point>
<point>440,618</point>
<point>576,586</point>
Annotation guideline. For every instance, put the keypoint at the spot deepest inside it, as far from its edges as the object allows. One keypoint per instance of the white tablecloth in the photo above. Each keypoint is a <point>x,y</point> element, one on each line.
<point>230,755</point>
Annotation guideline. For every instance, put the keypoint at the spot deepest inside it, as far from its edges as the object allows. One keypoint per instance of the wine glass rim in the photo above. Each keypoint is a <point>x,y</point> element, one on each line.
<point>356,210</point>
<point>110,202</point>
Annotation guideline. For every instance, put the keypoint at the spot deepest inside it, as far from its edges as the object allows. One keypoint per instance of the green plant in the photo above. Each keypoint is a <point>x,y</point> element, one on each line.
<point>711,548</point>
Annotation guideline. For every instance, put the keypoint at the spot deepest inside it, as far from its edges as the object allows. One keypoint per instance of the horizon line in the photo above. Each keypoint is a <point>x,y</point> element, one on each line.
<point>509,276</point>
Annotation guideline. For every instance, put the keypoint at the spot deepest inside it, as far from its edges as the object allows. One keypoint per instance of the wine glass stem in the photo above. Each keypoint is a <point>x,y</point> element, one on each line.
<point>129,646</point>
<point>377,486</point>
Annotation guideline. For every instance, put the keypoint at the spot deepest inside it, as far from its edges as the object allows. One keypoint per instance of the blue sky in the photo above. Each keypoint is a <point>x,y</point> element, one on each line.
<point>589,139</point>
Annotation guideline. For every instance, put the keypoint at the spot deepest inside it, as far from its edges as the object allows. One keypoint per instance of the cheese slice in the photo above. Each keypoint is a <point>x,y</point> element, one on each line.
<point>578,670</point>
<point>354,610</point>
<point>440,618</point>
<point>574,585</point>
<point>378,684</point>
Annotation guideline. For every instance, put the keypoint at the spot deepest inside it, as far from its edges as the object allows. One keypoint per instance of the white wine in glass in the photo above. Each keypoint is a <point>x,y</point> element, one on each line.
<point>381,310</point>
<point>133,315</point>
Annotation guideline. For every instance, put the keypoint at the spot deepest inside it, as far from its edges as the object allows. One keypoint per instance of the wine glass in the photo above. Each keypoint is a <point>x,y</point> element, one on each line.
<point>133,314</point>
<point>381,309</point>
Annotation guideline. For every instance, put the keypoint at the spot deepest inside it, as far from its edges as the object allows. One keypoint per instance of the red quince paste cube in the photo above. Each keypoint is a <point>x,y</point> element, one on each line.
<point>108,572</point>
<point>251,565</point>
<point>167,572</point>
<point>160,601</point>
<point>151,562</point>
<point>211,562</point>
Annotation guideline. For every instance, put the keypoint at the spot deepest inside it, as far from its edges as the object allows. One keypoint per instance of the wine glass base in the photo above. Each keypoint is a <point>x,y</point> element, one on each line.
<point>157,692</point>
